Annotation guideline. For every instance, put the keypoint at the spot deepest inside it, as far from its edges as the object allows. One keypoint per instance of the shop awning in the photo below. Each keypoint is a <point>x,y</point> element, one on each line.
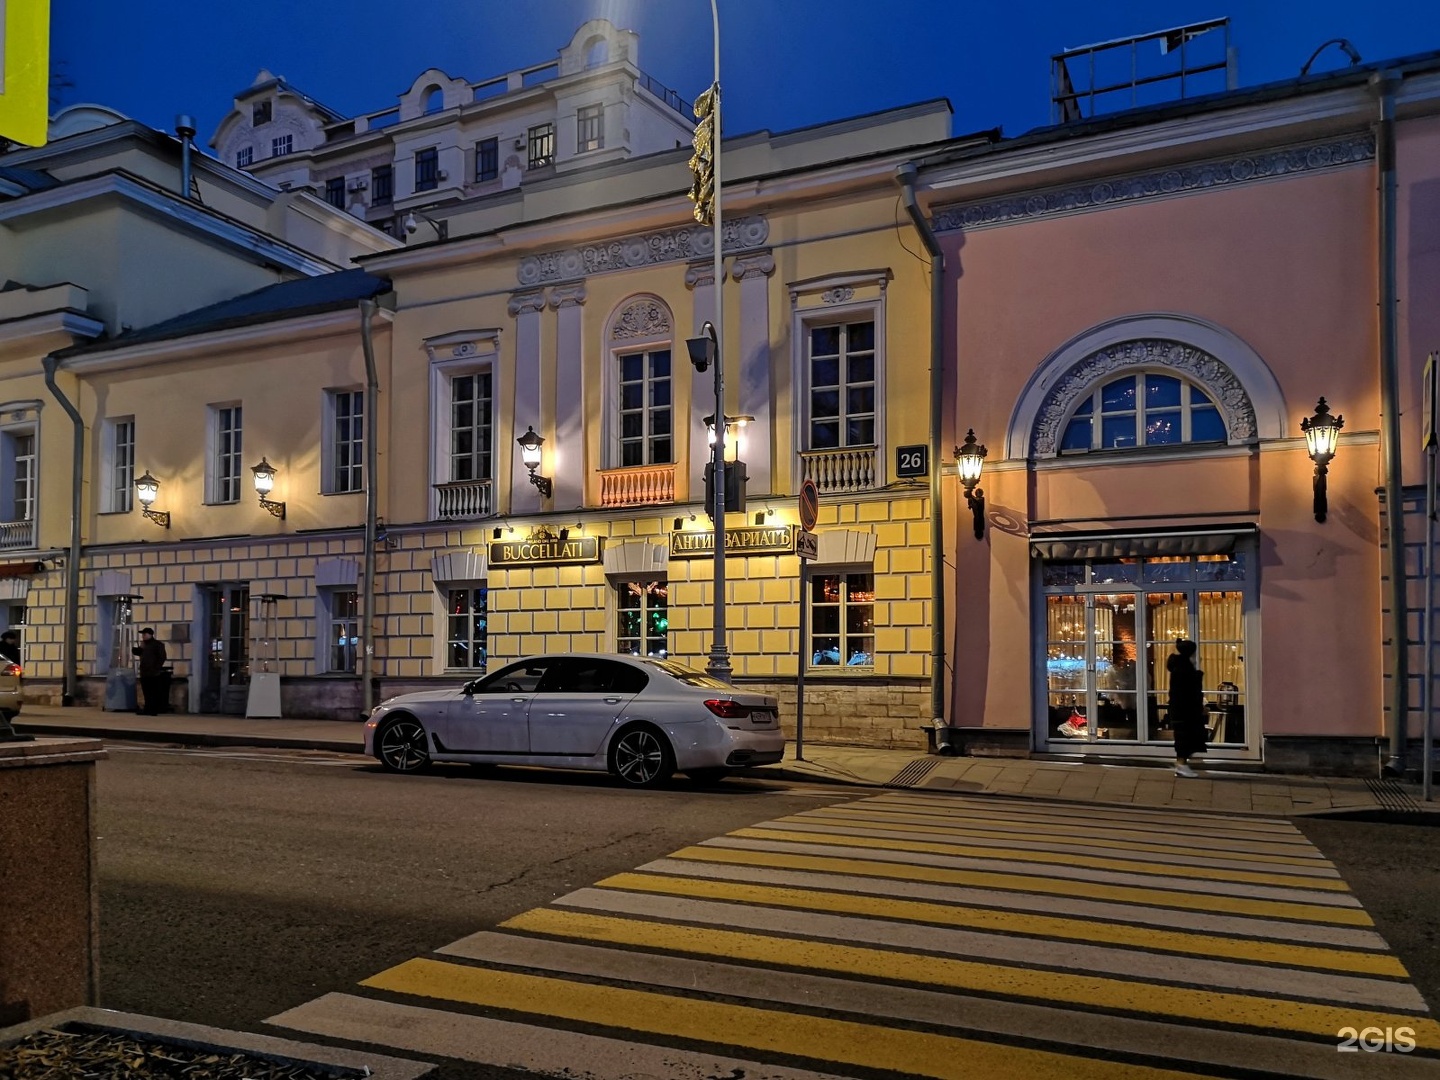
<point>20,569</point>
<point>1139,543</point>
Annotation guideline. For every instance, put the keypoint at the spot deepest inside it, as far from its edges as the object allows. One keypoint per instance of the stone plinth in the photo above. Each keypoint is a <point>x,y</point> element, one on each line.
<point>49,891</point>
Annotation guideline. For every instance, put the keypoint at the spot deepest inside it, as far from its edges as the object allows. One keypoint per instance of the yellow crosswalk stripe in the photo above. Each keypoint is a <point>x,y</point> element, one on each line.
<point>915,1053</point>
<point>1230,905</point>
<point>1006,922</point>
<point>1017,854</point>
<point>1206,1006</point>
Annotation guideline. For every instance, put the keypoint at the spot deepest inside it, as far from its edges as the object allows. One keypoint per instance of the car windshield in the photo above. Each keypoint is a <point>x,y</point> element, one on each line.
<point>687,675</point>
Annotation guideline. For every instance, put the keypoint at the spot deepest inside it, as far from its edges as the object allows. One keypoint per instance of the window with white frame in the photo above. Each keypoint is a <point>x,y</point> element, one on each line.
<point>17,492</point>
<point>118,465</point>
<point>466,631</point>
<point>1147,408</point>
<point>344,446</point>
<point>222,479</point>
<point>589,128</point>
<point>842,620</point>
<point>339,616</point>
<point>642,625</point>
<point>645,408</point>
<point>840,368</point>
<point>471,427</point>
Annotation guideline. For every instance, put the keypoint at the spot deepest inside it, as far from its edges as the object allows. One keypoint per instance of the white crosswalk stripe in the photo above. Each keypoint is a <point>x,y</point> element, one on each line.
<point>924,935</point>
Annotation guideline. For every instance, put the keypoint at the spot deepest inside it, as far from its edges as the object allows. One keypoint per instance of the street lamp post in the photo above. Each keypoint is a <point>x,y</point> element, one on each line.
<point>719,663</point>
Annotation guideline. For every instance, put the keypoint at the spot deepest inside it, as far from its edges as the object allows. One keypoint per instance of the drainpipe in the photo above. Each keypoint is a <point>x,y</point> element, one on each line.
<point>906,176</point>
<point>372,394</point>
<point>1383,84</point>
<point>69,657</point>
<point>185,128</point>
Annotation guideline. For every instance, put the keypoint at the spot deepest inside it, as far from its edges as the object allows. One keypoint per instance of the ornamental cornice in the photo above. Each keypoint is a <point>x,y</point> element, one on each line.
<point>522,303</point>
<point>762,263</point>
<point>1211,374</point>
<point>462,344</point>
<point>641,319</point>
<point>642,249</point>
<point>1159,183</point>
<point>698,274</point>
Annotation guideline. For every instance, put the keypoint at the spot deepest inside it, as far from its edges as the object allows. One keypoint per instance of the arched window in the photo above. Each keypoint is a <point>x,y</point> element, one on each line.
<point>434,99</point>
<point>597,52</point>
<point>1146,408</point>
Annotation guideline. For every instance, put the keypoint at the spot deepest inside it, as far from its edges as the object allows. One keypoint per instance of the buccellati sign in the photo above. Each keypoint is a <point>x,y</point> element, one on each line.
<point>769,540</point>
<point>545,552</point>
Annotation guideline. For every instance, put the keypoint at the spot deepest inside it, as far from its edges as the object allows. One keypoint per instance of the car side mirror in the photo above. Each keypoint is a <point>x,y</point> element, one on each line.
<point>469,688</point>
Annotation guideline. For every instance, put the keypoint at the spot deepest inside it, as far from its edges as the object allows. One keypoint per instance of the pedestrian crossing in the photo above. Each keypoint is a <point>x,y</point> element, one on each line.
<point>930,936</point>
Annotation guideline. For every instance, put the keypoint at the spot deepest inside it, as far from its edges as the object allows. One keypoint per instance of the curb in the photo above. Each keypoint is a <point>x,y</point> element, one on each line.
<point>274,742</point>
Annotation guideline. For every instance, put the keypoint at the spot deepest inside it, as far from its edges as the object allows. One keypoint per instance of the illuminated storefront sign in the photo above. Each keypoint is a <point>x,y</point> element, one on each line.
<point>541,552</point>
<point>772,540</point>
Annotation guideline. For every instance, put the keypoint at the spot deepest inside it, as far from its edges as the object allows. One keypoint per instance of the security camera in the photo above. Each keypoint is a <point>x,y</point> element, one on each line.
<point>410,224</point>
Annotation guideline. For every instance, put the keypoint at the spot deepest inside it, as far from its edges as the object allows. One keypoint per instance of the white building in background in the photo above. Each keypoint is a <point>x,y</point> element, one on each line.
<point>449,140</point>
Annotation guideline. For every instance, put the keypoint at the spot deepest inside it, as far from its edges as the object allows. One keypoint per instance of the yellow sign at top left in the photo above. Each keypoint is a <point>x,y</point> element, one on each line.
<point>24,70</point>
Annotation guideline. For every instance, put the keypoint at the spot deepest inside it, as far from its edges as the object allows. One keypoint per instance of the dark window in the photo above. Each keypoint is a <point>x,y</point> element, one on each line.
<point>645,409</point>
<point>522,678</point>
<point>382,185</point>
<point>592,675</point>
<point>487,159</point>
<point>259,113</point>
<point>282,146</point>
<point>842,385</point>
<point>244,156</point>
<point>542,146</point>
<point>427,169</point>
<point>335,191</point>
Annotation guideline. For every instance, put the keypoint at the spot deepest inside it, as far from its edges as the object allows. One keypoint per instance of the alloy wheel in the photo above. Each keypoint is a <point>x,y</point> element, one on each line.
<point>640,758</point>
<point>403,746</point>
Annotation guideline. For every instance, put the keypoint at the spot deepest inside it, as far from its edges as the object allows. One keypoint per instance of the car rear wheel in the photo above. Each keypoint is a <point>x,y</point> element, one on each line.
<point>641,757</point>
<point>402,747</point>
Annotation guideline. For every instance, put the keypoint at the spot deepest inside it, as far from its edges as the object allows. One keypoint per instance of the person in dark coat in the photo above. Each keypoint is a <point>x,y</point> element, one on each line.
<point>152,672</point>
<point>10,647</point>
<point>1187,706</point>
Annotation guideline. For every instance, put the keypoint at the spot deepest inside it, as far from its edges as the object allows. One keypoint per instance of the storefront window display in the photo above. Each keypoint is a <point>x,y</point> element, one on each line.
<point>643,627</point>
<point>467,616</point>
<point>842,621</point>
<point>1106,647</point>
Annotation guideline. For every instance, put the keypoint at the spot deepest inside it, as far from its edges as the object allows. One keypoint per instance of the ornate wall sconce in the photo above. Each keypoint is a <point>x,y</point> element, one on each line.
<point>970,458</point>
<point>264,484</point>
<point>1322,436</point>
<point>530,445</point>
<point>146,488</point>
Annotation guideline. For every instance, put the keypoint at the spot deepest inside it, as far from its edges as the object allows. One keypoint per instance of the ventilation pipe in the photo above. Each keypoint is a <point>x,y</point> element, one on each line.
<point>906,175</point>
<point>185,128</point>
<point>68,659</point>
<point>372,489</point>
<point>1383,84</point>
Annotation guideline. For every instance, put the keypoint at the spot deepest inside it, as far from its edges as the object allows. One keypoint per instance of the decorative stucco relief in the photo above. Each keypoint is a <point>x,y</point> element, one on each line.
<point>1212,375</point>
<point>522,302</point>
<point>1160,183</point>
<point>645,318</point>
<point>647,249</point>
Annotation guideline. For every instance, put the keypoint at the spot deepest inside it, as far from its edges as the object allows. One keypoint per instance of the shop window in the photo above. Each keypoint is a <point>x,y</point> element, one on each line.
<point>842,620</point>
<point>466,627</point>
<point>344,446</point>
<point>645,409</point>
<point>222,464</point>
<point>1144,409</point>
<point>339,615</point>
<point>118,465</point>
<point>643,624</point>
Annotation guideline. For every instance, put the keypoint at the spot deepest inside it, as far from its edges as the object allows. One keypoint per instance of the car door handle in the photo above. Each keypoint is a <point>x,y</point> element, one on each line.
<point>612,701</point>
<point>518,700</point>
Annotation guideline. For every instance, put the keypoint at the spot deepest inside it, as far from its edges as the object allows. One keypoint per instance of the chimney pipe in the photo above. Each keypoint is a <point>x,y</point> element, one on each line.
<point>185,128</point>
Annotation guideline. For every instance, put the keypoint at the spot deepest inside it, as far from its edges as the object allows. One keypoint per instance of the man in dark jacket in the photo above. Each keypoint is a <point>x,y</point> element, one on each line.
<point>10,647</point>
<point>152,672</point>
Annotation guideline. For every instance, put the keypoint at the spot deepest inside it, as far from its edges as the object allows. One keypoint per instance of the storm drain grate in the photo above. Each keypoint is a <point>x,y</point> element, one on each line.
<point>1391,796</point>
<point>912,774</point>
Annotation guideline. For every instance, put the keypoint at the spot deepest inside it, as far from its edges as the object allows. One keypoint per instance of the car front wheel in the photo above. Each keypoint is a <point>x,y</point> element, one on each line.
<point>641,757</point>
<point>402,747</point>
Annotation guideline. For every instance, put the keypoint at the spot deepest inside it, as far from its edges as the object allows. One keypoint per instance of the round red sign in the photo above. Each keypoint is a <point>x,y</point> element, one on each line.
<point>809,505</point>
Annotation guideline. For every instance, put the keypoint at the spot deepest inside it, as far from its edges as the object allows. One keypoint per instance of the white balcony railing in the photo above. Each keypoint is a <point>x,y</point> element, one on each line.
<point>640,485</point>
<point>463,499</point>
<point>849,469</point>
<point>17,535</point>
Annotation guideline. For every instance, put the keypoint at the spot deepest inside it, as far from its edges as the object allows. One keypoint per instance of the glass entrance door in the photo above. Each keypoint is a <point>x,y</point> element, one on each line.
<point>1091,660</point>
<point>227,654</point>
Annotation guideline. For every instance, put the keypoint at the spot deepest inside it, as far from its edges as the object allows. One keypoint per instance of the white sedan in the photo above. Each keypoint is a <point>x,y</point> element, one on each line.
<point>637,717</point>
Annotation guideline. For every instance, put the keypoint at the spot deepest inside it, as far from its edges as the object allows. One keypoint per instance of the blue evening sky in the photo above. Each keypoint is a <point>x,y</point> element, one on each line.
<point>784,63</point>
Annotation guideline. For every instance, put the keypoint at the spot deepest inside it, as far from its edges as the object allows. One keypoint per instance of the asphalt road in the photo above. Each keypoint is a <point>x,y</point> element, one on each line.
<point>237,885</point>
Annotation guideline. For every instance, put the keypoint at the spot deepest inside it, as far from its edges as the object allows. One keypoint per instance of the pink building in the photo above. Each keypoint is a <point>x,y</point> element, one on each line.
<point>1139,311</point>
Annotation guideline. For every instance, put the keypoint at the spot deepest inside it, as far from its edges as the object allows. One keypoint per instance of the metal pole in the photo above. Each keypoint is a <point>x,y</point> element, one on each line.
<point>1427,695</point>
<point>719,663</point>
<point>800,671</point>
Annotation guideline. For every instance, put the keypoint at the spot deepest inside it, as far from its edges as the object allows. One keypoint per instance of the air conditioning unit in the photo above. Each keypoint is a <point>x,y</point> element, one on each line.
<point>358,185</point>
<point>520,143</point>
<point>441,174</point>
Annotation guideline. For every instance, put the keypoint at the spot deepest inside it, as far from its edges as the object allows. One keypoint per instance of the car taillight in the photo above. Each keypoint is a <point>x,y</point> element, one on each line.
<point>729,710</point>
<point>12,669</point>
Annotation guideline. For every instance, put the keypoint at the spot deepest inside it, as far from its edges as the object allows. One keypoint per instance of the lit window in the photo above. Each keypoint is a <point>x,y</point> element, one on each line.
<point>340,614</point>
<point>1145,409</point>
<point>643,627</point>
<point>542,146</point>
<point>842,620</point>
<point>467,640</point>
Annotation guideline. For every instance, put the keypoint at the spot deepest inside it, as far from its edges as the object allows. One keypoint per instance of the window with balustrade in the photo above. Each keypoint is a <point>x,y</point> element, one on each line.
<point>640,451</point>
<point>17,489</point>
<point>465,441</point>
<point>840,372</point>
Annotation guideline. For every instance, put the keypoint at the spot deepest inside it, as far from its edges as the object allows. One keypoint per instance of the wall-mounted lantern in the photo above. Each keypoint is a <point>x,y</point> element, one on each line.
<point>146,489</point>
<point>264,484</point>
<point>1322,435</point>
<point>530,444</point>
<point>970,459</point>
